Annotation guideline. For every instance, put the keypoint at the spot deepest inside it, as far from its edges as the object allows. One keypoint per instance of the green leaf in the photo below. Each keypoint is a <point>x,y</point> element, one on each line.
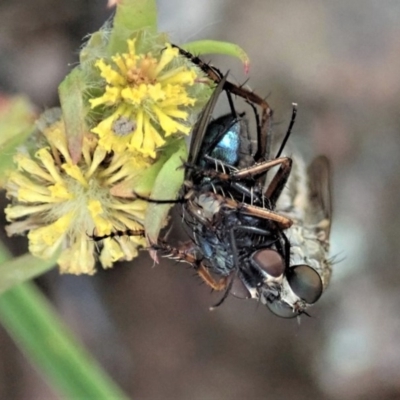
<point>167,186</point>
<point>16,124</point>
<point>71,91</point>
<point>23,268</point>
<point>145,182</point>
<point>131,16</point>
<point>94,49</point>
<point>7,151</point>
<point>36,328</point>
<point>216,47</point>
<point>16,116</point>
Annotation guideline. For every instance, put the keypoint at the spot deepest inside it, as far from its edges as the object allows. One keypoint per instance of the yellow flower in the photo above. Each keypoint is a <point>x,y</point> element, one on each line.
<point>61,204</point>
<point>148,97</point>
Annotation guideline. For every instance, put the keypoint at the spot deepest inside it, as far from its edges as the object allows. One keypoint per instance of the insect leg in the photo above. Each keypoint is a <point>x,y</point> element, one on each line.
<point>204,274</point>
<point>235,255</point>
<point>186,254</point>
<point>289,131</point>
<point>278,182</point>
<point>119,233</point>
<point>179,200</point>
<point>249,96</point>
<point>281,221</point>
<point>260,168</point>
<point>274,188</point>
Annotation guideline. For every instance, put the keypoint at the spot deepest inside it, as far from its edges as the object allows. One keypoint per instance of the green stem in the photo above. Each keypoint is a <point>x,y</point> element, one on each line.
<point>39,333</point>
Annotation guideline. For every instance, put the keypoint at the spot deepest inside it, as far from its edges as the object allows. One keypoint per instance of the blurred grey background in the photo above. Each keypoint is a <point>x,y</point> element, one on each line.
<point>150,326</point>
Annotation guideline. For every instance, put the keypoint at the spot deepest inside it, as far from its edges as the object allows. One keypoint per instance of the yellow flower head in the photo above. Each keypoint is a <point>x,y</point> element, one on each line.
<point>61,203</point>
<point>148,97</point>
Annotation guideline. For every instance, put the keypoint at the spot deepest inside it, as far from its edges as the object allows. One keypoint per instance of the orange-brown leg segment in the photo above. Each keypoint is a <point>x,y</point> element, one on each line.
<point>282,221</point>
<point>278,182</point>
<point>276,185</point>
<point>186,253</point>
<point>204,274</point>
<point>261,167</point>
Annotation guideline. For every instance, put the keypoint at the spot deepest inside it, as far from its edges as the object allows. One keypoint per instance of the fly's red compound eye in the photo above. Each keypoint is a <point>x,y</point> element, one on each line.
<point>269,261</point>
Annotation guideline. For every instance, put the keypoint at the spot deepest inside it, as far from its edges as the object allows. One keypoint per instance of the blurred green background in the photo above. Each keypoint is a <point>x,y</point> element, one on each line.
<point>150,326</point>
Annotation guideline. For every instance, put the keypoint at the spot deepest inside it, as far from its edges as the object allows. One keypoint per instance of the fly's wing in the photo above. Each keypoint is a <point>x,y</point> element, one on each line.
<point>200,127</point>
<point>320,198</point>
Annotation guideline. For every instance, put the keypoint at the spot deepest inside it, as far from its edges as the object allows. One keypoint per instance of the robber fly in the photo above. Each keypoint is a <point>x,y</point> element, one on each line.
<point>250,239</point>
<point>306,199</point>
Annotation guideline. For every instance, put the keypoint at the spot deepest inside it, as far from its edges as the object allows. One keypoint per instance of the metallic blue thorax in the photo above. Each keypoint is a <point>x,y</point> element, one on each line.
<point>227,149</point>
<point>226,140</point>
